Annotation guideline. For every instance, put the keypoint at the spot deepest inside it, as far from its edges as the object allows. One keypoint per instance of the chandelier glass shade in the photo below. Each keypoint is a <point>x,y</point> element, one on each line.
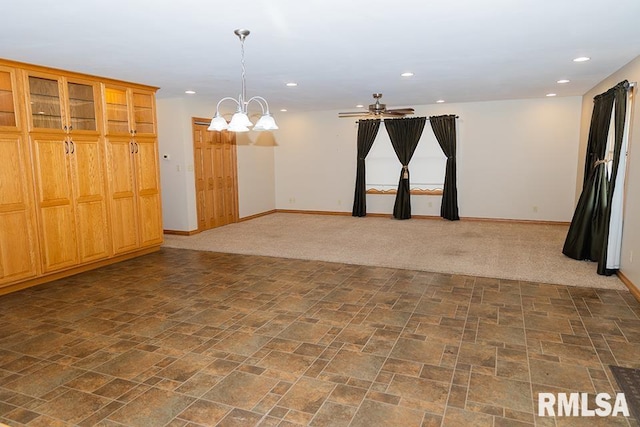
<point>240,121</point>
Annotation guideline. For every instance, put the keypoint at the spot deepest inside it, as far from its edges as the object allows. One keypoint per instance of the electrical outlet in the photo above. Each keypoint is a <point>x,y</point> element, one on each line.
<point>339,202</point>
<point>430,204</point>
<point>535,209</point>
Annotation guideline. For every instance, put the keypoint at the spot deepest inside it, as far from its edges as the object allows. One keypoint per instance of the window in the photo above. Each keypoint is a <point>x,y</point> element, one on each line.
<point>427,166</point>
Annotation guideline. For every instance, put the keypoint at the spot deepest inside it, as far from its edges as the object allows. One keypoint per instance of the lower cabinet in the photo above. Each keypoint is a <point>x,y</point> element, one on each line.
<point>18,244</point>
<point>134,193</point>
<point>71,200</point>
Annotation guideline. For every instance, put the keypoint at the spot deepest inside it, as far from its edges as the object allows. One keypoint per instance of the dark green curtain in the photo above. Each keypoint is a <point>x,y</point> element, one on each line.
<point>367,131</point>
<point>584,239</point>
<point>620,103</point>
<point>444,128</point>
<point>404,135</point>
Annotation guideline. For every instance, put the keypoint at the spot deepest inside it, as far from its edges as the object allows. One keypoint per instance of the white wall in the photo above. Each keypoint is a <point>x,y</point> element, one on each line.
<point>256,191</point>
<point>630,258</point>
<point>516,159</point>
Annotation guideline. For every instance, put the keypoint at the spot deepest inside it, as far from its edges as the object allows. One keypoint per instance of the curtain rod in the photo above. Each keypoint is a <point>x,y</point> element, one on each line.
<point>382,120</point>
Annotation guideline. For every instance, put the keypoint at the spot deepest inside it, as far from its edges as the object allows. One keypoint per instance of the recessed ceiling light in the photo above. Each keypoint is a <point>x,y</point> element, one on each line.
<point>359,106</point>
<point>284,110</point>
<point>581,59</point>
<point>551,94</point>
<point>563,81</point>
<point>407,74</point>
<point>440,101</point>
<point>190,92</point>
<point>292,84</point>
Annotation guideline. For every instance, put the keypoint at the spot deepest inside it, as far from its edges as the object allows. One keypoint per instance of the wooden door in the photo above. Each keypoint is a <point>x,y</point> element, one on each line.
<point>145,154</point>
<point>87,161</point>
<point>215,176</point>
<point>18,246</point>
<point>124,212</point>
<point>55,210</point>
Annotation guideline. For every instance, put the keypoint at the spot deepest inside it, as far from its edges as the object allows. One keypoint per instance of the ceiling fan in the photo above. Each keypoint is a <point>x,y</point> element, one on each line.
<point>378,110</point>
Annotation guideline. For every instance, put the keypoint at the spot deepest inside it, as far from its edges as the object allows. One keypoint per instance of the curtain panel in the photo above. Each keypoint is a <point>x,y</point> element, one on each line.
<point>444,128</point>
<point>404,134</point>
<point>587,235</point>
<point>367,131</point>
<point>620,113</point>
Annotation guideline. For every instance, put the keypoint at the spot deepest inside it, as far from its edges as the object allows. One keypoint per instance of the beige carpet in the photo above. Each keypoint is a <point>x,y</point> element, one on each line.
<point>530,252</point>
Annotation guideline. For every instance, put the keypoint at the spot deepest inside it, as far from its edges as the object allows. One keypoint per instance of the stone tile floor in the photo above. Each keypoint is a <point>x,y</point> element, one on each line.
<point>186,338</point>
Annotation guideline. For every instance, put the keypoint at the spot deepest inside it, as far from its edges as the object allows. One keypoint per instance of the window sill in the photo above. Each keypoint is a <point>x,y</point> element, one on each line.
<point>416,191</point>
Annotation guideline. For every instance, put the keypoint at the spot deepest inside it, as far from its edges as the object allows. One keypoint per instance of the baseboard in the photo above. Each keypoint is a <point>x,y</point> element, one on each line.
<point>515,221</point>
<point>75,270</point>
<point>295,211</point>
<point>389,215</point>
<point>635,291</point>
<point>258,215</point>
<point>181,233</point>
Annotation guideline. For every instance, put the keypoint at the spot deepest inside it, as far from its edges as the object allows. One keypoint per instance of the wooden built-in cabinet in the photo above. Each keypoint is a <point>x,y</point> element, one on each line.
<point>69,169</point>
<point>133,166</point>
<point>79,185</point>
<point>18,243</point>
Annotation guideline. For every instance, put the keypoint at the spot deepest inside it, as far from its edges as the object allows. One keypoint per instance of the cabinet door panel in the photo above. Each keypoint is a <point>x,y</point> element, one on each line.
<point>17,255</point>
<point>122,197</point>
<point>124,224</point>
<point>58,237</point>
<point>93,230</point>
<point>55,203</point>
<point>150,219</point>
<point>17,236</point>
<point>52,173</point>
<point>90,198</point>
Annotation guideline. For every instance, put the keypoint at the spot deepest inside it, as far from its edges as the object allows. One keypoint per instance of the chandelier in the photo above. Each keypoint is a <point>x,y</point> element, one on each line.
<point>240,121</point>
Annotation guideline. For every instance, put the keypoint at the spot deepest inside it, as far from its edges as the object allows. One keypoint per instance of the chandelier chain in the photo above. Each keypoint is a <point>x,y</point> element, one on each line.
<point>244,86</point>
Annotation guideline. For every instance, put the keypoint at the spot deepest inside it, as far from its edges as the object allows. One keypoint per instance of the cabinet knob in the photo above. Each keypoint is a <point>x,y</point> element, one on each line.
<point>65,128</point>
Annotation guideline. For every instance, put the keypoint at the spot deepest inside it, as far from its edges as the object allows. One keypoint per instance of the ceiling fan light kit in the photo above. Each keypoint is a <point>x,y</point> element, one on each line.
<point>378,110</point>
<point>240,121</point>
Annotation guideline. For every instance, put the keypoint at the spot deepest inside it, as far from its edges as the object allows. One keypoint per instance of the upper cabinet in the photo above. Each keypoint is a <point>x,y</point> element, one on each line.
<point>57,103</point>
<point>129,111</point>
<point>8,102</point>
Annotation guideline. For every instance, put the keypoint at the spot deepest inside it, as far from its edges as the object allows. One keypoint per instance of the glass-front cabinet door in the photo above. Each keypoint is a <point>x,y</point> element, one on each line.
<point>45,103</point>
<point>61,103</point>
<point>7,99</point>
<point>117,111</point>
<point>143,113</point>
<point>129,111</point>
<point>82,106</point>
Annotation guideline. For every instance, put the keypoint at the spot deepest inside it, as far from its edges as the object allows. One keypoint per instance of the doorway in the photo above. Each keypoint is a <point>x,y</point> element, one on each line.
<point>216,177</point>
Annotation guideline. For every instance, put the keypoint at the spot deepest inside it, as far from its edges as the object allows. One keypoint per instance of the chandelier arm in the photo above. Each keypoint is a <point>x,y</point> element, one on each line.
<point>225,99</point>
<point>260,101</point>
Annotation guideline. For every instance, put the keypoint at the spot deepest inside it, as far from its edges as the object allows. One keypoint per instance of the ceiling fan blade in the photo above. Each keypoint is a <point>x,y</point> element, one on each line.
<point>354,114</point>
<point>401,110</point>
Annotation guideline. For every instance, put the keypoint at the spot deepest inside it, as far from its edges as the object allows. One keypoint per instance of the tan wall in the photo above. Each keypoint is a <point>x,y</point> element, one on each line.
<point>256,190</point>
<point>516,160</point>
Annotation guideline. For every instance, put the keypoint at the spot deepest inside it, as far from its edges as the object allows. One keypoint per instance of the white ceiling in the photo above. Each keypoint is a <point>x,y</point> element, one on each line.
<point>338,51</point>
